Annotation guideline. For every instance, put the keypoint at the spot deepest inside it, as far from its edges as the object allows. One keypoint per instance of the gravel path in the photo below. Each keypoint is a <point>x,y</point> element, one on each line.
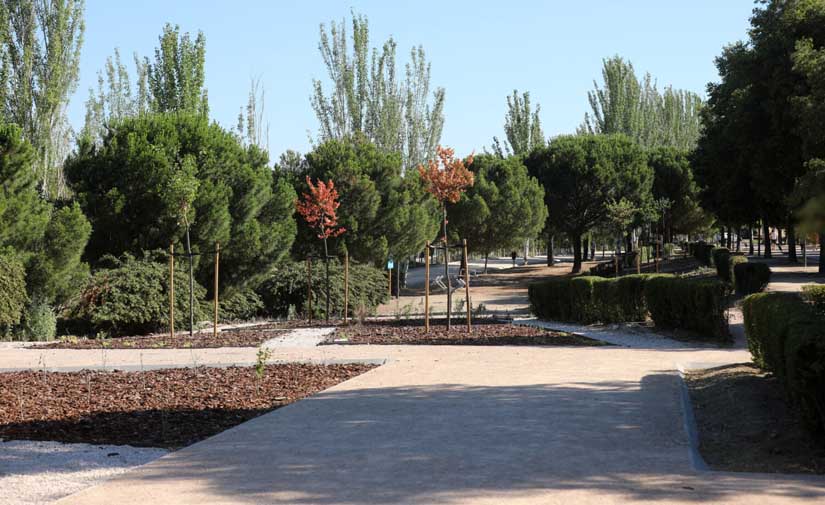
<point>41,472</point>
<point>299,338</point>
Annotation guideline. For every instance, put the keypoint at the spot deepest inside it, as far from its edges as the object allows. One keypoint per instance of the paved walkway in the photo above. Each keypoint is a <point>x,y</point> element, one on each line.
<point>448,425</point>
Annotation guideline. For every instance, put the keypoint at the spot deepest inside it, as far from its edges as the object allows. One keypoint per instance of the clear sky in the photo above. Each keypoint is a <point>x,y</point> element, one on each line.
<point>480,51</point>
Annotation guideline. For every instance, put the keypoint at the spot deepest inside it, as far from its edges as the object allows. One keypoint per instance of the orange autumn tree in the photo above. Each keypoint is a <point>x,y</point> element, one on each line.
<point>446,178</point>
<point>319,209</point>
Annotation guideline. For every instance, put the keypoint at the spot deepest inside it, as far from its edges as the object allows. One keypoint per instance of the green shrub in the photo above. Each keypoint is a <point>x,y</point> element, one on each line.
<point>240,305</point>
<point>691,304</point>
<point>786,336</point>
<point>13,296</point>
<point>814,294</point>
<point>287,286</point>
<point>589,299</point>
<point>39,322</point>
<point>751,277</point>
<point>702,252</point>
<point>130,296</point>
<point>721,260</point>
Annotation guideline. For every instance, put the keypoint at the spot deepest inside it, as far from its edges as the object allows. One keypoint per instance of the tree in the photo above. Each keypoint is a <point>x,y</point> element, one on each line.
<point>251,126</point>
<point>625,104</point>
<point>46,238</point>
<point>522,127</point>
<point>582,174</point>
<point>318,208</point>
<point>503,208</point>
<point>40,54</point>
<point>177,78</point>
<point>673,181</point>
<point>131,185</point>
<point>385,213</point>
<point>368,98</point>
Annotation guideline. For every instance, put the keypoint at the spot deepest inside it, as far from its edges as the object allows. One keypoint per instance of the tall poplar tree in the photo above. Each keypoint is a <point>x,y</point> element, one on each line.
<point>522,127</point>
<point>176,77</point>
<point>39,60</point>
<point>367,97</point>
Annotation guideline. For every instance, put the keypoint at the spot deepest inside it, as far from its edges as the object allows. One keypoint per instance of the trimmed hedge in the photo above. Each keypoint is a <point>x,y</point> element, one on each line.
<point>725,262</point>
<point>691,304</point>
<point>786,336</point>
<point>588,299</point>
<point>287,287</point>
<point>814,294</point>
<point>702,252</point>
<point>751,277</point>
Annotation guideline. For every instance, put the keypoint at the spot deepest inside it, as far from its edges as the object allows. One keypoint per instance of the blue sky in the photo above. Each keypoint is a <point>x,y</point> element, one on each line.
<point>480,51</point>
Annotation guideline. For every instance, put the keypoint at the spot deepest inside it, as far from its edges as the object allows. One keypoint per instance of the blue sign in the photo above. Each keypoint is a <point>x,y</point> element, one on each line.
<point>390,264</point>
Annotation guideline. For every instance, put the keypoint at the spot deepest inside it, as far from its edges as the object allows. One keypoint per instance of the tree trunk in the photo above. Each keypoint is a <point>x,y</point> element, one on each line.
<point>447,270</point>
<point>791,242</point>
<point>191,285</point>
<point>550,253</point>
<point>766,238</point>
<point>576,240</point>
<point>486,257</point>
<point>326,274</point>
<point>750,240</point>
<point>822,253</point>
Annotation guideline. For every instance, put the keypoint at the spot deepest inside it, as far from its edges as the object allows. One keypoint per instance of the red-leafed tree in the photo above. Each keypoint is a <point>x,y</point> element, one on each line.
<point>446,178</point>
<point>319,209</point>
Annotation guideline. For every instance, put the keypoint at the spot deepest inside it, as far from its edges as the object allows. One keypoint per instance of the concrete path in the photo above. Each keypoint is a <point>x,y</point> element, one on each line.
<point>449,425</point>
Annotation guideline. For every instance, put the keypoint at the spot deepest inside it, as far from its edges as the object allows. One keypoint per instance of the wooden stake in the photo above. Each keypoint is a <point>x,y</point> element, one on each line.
<point>467,287</point>
<point>309,289</point>
<point>427,286</point>
<point>346,285</point>
<point>217,266</point>
<point>172,290</point>
<point>639,259</point>
<point>389,281</point>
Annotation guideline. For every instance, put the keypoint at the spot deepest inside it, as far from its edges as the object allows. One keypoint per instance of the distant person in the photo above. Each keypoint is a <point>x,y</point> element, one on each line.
<point>514,255</point>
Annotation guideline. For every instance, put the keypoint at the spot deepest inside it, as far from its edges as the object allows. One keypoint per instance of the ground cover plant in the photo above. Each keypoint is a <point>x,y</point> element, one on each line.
<point>484,332</point>
<point>160,408</point>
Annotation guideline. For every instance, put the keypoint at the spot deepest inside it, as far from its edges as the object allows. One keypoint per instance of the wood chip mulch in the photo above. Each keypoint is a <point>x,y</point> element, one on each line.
<point>238,337</point>
<point>161,408</point>
<point>484,332</point>
<point>746,424</point>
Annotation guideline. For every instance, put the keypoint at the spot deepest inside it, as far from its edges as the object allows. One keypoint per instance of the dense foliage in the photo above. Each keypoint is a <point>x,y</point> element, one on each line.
<point>583,175</point>
<point>285,291</point>
<point>697,305</point>
<point>130,296</point>
<point>751,277</point>
<point>127,185</point>
<point>12,291</point>
<point>785,337</point>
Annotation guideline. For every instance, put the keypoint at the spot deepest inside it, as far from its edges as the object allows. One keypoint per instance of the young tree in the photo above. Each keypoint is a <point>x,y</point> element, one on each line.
<point>251,125</point>
<point>368,98</point>
<point>504,208</point>
<point>39,55</point>
<point>319,209</point>
<point>673,180</point>
<point>522,127</point>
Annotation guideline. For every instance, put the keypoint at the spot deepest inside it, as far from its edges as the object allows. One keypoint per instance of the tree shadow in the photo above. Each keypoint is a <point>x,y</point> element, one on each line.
<point>448,443</point>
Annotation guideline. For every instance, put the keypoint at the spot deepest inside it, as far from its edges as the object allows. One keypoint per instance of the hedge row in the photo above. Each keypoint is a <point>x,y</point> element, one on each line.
<point>751,277</point>
<point>786,336</point>
<point>672,302</point>
<point>702,252</point>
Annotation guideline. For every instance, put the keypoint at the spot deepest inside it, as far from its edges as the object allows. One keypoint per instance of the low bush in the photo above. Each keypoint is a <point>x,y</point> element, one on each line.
<point>751,277</point>
<point>130,296</point>
<point>287,286</point>
<point>786,336</point>
<point>814,294</point>
<point>39,322</point>
<point>721,260</point>
<point>13,296</point>
<point>241,305</point>
<point>702,252</point>
<point>590,299</point>
<point>697,305</point>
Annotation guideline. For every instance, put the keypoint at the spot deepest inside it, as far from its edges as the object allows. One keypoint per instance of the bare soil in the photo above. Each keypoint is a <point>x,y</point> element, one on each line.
<point>746,424</point>
<point>234,337</point>
<point>161,408</point>
<point>484,332</point>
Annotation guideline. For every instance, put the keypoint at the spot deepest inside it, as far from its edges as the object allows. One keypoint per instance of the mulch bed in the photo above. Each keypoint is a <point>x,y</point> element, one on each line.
<point>161,408</point>
<point>746,425</point>
<point>235,337</point>
<point>484,332</point>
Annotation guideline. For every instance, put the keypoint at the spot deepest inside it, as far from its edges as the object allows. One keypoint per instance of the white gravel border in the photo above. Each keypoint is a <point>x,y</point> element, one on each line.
<point>34,472</point>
